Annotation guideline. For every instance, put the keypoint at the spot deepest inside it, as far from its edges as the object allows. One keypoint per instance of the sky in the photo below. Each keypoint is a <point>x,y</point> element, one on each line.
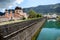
<point>11,4</point>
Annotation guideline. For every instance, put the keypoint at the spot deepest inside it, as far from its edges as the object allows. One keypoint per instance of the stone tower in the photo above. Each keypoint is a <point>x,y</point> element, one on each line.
<point>11,15</point>
<point>18,12</point>
<point>6,13</point>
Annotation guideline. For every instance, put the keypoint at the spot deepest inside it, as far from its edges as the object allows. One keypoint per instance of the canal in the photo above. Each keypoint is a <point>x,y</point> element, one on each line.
<point>50,31</point>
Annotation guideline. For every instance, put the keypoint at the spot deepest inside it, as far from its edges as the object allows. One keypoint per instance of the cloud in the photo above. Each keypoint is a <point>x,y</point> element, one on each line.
<point>9,3</point>
<point>18,1</point>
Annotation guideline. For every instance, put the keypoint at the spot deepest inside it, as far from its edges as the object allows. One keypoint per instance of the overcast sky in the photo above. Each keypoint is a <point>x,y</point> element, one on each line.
<point>11,4</point>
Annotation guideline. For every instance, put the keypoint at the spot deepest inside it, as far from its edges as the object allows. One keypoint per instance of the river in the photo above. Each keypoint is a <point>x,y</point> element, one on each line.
<point>50,31</point>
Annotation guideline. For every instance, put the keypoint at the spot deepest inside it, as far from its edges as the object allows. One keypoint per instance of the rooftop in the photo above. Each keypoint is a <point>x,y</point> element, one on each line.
<point>18,8</point>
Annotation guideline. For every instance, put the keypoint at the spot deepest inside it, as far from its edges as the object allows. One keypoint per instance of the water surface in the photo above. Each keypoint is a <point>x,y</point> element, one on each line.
<point>50,31</point>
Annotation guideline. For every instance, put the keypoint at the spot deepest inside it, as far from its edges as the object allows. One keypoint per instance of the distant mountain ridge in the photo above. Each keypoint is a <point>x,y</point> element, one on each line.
<point>1,13</point>
<point>53,8</point>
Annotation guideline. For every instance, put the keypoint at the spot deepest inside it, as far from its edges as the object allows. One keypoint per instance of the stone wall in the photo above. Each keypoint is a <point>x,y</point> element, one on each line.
<point>26,33</point>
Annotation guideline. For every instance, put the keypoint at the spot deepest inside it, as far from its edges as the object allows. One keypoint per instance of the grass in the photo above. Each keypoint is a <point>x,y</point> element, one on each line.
<point>9,22</point>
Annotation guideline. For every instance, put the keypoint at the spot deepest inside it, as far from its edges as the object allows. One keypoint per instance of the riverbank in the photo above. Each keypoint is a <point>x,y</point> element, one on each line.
<point>34,37</point>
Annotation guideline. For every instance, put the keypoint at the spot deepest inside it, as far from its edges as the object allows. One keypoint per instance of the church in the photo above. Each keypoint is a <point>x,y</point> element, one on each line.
<point>16,15</point>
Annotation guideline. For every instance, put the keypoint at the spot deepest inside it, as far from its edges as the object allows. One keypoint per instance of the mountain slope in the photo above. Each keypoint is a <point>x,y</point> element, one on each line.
<point>53,8</point>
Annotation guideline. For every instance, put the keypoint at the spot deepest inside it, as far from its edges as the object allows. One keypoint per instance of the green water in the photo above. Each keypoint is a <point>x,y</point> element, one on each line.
<point>50,31</point>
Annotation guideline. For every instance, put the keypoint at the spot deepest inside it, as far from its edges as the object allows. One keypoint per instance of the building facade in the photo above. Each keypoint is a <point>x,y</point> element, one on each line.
<point>18,14</point>
<point>50,16</point>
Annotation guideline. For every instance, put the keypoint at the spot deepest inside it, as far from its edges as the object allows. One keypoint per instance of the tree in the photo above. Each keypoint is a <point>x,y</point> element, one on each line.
<point>39,15</point>
<point>32,14</point>
<point>58,18</point>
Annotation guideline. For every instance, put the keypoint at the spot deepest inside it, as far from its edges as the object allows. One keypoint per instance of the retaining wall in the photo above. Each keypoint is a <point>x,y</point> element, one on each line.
<point>22,33</point>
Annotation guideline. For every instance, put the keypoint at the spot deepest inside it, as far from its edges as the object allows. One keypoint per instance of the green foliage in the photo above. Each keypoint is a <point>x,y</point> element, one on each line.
<point>24,18</point>
<point>39,15</point>
<point>33,14</point>
<point>58,18</point>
